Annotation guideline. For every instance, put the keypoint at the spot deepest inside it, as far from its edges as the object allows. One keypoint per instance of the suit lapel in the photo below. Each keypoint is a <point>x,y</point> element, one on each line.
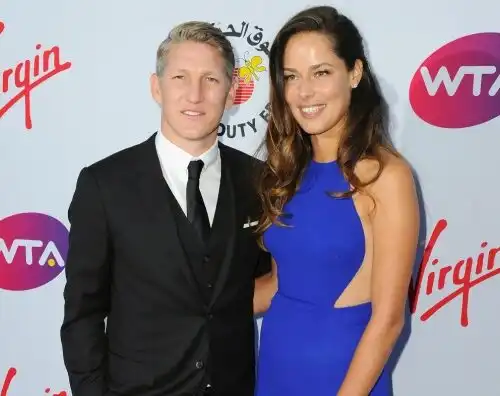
<point>158,203</point>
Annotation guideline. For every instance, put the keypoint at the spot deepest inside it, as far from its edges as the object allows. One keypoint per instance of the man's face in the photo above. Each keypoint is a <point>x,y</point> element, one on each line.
<point>193,91</point>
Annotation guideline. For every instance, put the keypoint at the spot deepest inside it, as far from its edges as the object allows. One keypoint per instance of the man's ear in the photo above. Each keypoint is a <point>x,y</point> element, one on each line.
<point>155,86</point>
<point>231,96</point>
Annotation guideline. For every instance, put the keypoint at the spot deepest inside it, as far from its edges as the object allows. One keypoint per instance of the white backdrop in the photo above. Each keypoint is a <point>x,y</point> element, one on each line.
<point>74,88</point>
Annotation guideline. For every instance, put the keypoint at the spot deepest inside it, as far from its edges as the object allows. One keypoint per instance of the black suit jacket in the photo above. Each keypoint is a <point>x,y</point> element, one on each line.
<point>130,261</point>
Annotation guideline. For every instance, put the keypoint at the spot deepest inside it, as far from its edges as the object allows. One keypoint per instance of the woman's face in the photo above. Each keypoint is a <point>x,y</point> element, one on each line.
<point>317,83</point>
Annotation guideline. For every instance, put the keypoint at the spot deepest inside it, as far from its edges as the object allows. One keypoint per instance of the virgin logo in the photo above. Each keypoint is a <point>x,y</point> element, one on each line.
<point>9,377</point>
<point>463,275</point>
<point>458,85</point>
<point>17,82</point>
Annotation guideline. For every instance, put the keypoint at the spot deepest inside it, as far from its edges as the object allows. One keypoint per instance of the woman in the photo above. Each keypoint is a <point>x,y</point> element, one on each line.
<point>340,218</point>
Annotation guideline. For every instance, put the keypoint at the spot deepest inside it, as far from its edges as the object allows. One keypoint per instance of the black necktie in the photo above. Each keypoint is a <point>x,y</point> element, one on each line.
<point>196,211</point>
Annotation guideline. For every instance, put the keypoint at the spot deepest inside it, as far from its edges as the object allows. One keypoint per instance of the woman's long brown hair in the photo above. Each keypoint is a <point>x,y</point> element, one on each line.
<point>289,148</point>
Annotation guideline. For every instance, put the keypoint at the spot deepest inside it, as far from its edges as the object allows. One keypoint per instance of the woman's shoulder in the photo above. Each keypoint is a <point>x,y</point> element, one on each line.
<point>386,172</point>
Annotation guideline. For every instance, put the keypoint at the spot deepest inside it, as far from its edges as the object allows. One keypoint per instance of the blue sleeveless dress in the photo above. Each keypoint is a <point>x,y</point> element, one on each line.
<point>306,344</point>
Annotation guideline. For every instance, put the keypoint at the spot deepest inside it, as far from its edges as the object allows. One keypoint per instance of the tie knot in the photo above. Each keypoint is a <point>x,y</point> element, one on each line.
<point>194,169</point>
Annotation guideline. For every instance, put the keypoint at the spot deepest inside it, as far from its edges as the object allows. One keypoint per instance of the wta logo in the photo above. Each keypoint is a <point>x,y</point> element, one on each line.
<point>33,249</point>
<point>458,85</point>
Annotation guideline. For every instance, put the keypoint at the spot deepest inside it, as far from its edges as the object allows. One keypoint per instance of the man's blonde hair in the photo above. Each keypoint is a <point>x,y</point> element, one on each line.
<point>199,32</point>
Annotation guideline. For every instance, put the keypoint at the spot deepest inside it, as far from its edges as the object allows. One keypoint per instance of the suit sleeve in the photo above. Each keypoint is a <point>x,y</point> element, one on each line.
<point>264,265</point>
<point>86,294</point>
<point>264,261</point>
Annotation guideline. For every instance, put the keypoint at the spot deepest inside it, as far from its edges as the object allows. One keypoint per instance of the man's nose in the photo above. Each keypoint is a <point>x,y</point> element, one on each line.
<point>195,91</point>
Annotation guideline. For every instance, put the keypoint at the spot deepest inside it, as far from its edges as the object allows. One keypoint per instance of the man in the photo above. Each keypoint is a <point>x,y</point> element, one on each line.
<point>162,244</point>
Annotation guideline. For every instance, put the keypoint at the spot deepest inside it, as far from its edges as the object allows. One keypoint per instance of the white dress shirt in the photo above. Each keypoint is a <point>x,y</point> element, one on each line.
<point>174,164</point>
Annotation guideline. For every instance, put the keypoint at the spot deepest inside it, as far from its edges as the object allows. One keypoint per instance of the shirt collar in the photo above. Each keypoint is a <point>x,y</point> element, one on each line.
<point>172,156</point>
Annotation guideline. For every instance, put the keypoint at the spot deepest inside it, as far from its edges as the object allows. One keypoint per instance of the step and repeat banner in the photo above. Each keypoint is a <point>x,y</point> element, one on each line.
<point>74,87</point>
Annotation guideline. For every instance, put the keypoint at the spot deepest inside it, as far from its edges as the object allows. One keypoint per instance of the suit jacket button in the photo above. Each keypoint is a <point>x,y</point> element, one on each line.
<point>206,259</point>
<point>209,285</point>
<point>199,364</point>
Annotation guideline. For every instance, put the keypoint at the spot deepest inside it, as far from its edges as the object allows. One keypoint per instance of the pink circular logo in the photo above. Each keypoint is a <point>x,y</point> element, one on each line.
<point>33,250</point>
<point>458,85</point>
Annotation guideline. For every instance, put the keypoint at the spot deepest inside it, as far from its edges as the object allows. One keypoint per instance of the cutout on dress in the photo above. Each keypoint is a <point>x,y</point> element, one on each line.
<point>358,290</point>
